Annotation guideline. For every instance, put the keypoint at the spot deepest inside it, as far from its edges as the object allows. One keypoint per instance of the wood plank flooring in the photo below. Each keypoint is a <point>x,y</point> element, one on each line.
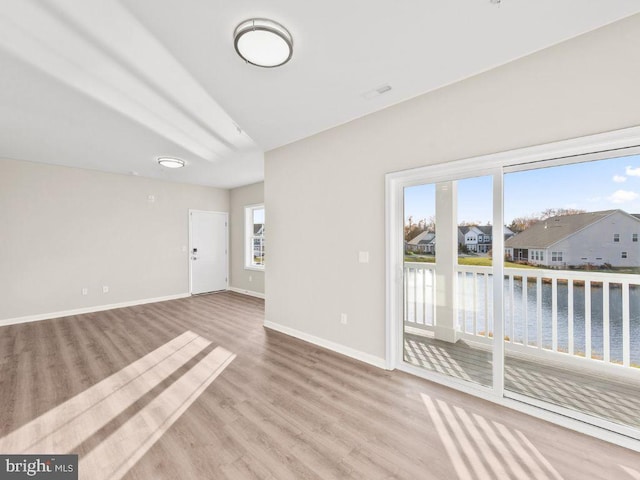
<point>281,409</point>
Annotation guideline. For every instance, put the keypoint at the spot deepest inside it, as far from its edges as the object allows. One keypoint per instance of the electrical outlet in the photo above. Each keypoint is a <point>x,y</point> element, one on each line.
<point>85,291</point>
<point>105,289</point>
<point>343,318</point>
<point>251,278</point>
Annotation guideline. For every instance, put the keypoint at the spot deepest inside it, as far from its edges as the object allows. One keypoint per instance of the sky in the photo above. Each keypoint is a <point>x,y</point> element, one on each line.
<point>258,215</point>
<point>591,186</point>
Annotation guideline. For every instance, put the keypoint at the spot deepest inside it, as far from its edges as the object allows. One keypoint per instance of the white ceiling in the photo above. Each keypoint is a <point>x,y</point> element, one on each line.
<point>111,85</point>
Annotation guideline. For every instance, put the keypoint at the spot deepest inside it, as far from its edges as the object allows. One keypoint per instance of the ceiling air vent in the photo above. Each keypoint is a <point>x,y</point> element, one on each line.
<point>376,92</point>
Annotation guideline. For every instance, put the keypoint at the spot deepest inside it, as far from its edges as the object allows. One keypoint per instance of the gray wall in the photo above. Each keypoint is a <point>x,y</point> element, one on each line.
<point>62,229</point>
<point>328,190</point>
<point>241,278</point>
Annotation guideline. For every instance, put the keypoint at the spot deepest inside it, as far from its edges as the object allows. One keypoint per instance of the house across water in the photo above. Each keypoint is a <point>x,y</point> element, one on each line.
<point>609,237</point>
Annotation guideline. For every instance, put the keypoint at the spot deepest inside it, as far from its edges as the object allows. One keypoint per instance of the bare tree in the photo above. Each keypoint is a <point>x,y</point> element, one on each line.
<point>519,224</point>
<point>559,212</point>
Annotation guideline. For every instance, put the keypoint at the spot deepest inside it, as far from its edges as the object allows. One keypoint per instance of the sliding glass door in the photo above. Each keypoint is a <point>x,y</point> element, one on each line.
<point>523,281</point>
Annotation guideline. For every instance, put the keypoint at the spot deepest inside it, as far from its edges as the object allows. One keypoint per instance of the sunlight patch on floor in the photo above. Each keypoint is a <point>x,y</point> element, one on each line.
<point>65,427</point>
<point>481,448</point>
<point>115,456</point>
<point>634,474</point>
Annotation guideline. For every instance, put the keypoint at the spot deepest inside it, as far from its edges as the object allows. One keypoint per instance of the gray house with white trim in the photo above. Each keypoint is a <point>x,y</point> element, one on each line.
<point>595,238</point>
<point>424,242</point>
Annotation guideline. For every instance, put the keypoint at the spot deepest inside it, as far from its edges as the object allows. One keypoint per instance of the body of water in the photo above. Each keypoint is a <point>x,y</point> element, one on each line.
<point>419,291</point>
<point>515,324</point>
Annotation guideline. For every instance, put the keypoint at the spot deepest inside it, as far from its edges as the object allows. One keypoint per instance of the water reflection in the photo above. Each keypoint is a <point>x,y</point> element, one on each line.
<point>515,315</point>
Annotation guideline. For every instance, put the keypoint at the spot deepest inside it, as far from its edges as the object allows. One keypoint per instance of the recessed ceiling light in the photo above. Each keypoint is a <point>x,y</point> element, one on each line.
<point>171,162</point>
<point>263,42</point>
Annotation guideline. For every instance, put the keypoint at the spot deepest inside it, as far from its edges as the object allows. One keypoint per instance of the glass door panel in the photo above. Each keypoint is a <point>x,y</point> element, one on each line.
<point>572,289</point>
<point>448,284</point>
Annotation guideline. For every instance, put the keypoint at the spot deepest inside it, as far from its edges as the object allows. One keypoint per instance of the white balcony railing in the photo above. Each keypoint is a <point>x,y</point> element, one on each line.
<point>419,295</point>
<point>558,312</point>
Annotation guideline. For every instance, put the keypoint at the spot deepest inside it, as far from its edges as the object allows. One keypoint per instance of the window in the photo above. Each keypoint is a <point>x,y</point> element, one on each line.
<point>634,237</point>
<point>616,237</point>
<point>254,237</point>
<point>624,254</point>
<point>556,256</point>
<point>542,255</point>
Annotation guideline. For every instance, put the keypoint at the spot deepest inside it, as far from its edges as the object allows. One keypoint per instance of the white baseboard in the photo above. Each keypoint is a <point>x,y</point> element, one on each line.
<point>80,311</point>
<point>247,292</point>
<point>321,342</point>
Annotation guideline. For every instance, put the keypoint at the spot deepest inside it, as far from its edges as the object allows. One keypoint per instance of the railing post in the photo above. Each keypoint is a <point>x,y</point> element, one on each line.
<point>415,273</point>
<point>554,314</point>
<point>446,259</point>
<point>539,311</point>
<point>405,293</point>
<point>424,296</point>
<point>587,319</point>
<point>626,330</point>
<point>474,305</point>
<point>512,297</point>
<point>606,344</point>
<point>525,309</point>
<point>570,340</point>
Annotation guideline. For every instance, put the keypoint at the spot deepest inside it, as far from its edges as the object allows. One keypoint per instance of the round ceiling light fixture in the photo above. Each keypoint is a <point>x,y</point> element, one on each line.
<point>263,43</point>
<point>170,162</point>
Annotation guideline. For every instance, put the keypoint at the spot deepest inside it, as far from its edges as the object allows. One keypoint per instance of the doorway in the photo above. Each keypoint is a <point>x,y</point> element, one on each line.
<point>208,251</point>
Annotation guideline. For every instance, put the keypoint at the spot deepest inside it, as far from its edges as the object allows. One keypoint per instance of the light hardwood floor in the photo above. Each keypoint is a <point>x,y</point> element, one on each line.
<point>279,409</point>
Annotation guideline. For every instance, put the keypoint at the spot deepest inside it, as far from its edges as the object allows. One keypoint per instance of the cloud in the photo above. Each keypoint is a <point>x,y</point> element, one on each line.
<point>622,196</point>
<point>633,172</point>
<point>619,178</point>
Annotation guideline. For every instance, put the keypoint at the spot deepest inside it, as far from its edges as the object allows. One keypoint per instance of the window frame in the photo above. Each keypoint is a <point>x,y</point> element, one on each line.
<point>250,237</point>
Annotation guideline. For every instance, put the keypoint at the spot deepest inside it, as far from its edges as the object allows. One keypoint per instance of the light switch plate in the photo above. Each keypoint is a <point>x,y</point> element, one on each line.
<point>363,257</point>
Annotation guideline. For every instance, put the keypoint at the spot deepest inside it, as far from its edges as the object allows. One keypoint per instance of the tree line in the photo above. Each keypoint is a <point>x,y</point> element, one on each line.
<point>414,228</point>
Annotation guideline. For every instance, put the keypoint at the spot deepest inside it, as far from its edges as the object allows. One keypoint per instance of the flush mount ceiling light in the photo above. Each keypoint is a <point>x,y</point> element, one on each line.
<point>171,162</point>
<point>263,43</point>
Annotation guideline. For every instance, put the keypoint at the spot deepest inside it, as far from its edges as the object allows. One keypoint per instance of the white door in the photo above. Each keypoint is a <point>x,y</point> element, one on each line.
<point>208,251</point>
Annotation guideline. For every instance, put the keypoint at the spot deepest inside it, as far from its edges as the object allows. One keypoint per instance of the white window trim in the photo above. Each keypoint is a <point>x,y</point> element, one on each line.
<point>248,236</point>
<point>593,147</point>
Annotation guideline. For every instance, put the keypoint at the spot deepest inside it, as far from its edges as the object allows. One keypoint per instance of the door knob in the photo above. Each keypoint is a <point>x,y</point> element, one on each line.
<point>194,258</point>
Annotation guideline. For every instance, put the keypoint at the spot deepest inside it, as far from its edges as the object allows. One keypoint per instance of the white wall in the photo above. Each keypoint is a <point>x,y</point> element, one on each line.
<point>242,279</point>
<point>325,194</point>
<point>62,229</point>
